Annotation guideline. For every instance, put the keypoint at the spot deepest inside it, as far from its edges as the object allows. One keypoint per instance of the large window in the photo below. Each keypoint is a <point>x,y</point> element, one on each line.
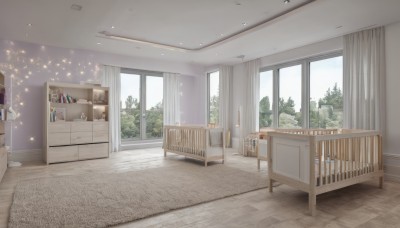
<point>326,97</point>
<point>213,97</point>
<point>266,99</point>
<point>307,93</point>
<point>141,105</point>
<point>289,106</point>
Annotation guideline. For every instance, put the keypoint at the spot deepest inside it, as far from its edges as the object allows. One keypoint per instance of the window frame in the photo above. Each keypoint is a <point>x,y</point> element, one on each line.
<point>305,85</point>
<point>208,93</point>
<point>142,94</point>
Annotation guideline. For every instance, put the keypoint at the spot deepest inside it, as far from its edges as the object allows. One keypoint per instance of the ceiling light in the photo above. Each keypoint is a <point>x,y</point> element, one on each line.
<point>29,25</point>
<point>201,44</point>
<point>113,27</point>
<point>162,54</point>
<point>98,43</point>
<point>221,34</point>
<point>244,23</point>
<point>286,1</point>
<point>76,7</point>
<point>181,43</point>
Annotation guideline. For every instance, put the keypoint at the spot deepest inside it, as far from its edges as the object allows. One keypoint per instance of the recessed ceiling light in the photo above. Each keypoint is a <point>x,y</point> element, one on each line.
<point>201,44</point>
<point>244,23</point>
<point>162,54</point>
<point>98,43</point>
<point>113,27</point>
<point>76,7</point>
<point>221,34</point>
<point>29,25</point>
<point>181,43</point>
<point>286,1</point>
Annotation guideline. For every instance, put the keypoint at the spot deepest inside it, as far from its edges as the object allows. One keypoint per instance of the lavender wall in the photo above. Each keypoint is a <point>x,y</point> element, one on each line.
<point>27,67</point>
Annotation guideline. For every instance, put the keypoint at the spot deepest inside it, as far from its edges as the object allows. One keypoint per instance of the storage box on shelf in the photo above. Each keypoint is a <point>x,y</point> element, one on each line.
<point>77,126</point>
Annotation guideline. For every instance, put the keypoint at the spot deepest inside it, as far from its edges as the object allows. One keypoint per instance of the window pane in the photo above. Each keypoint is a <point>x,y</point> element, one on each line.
<point>266,99</point>
<point>214,97</point>
<point>130,106</point>
<point>326,97</point>
<point>290,97</point>
<point>154,107</point>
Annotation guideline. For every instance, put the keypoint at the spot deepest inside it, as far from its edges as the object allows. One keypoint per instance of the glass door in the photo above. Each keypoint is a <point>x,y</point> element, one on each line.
<point>141,106</point>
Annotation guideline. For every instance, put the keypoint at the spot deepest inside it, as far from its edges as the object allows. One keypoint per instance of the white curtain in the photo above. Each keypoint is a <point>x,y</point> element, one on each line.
<point>225,95</point>
<point>364,80</point>
<point>252,97</point>
<point>111,78</point>
<point>171,99</point>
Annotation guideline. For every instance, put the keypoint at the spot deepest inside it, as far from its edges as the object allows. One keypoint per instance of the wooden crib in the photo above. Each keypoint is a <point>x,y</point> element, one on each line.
<point>197,142</point>
<point>318,161</point>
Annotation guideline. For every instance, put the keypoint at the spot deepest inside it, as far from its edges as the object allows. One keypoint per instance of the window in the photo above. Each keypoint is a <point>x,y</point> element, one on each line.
<point>266,99</point>
<point>141,105</point>
<point>289,106</point>
<point>306,93</point>
<point>326,97</point>
<point>213,97</point>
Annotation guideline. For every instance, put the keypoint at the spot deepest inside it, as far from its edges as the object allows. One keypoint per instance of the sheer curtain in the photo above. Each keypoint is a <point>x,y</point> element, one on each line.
<point>252,94</point>
<point>111,78</point>
<point>225,95</point>
<point>171,99</point>
<point>364,80</point>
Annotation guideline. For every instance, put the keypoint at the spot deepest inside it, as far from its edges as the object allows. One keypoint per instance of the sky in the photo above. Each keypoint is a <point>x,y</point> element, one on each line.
<point>323,75</point>
<point>130,85</point>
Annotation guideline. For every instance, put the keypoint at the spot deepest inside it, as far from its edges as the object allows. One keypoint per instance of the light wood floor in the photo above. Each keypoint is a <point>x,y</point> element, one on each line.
<point>362,205</point>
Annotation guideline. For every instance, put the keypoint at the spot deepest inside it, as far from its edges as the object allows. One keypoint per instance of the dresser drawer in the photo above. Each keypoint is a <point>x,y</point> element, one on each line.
<point>58,139</point>
<point>100,126</point>
<point>59,127</point>
<point>100,136</point>
<point>62,154</point>
<point>81,137</point>
<point>81,126</point>
<point>93,151</point>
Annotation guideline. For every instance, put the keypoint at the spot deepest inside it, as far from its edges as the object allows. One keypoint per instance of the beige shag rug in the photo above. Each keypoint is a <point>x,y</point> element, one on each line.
<point>100,200</point>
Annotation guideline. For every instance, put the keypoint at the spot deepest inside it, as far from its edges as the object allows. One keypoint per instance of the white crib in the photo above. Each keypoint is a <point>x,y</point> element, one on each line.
<point>318,161</point>
<point>197,142</point>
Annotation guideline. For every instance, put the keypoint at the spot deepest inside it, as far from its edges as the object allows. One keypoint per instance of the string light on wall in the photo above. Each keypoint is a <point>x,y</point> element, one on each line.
<point>23,66</point>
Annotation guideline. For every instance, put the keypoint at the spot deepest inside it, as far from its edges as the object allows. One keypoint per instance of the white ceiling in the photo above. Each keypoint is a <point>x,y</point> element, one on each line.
<point>187,23</point>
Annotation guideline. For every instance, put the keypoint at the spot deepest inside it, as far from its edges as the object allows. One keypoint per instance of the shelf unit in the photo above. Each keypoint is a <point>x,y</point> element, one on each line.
<point>68,137</point>
<point>3,151</point>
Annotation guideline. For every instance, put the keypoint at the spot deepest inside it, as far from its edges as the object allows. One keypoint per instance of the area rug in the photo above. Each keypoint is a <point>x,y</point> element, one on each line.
<point>101,200</point>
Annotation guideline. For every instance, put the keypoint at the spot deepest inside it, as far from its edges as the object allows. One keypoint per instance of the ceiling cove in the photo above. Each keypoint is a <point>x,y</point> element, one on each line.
<point>251,28</point>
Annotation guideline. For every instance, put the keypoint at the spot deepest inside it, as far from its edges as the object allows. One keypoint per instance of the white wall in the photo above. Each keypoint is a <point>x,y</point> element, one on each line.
<point>316,49</point>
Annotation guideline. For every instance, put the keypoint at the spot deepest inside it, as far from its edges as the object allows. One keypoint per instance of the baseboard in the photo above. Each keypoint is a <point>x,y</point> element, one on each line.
<point>392,167</point>
<point>140,146</point>
<point>33,155</point>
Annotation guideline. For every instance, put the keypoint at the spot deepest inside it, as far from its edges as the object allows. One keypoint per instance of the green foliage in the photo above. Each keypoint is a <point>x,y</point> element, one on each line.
<point>265,117</point>
<point>130,120</point>
<point>288,117</point>
<point>154,121</point>
<point>329,112</point>
<point>214,109</point>
<point>326,113</point>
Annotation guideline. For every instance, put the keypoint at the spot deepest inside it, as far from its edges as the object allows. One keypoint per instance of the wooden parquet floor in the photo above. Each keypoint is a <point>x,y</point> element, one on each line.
<point>362,205</point>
